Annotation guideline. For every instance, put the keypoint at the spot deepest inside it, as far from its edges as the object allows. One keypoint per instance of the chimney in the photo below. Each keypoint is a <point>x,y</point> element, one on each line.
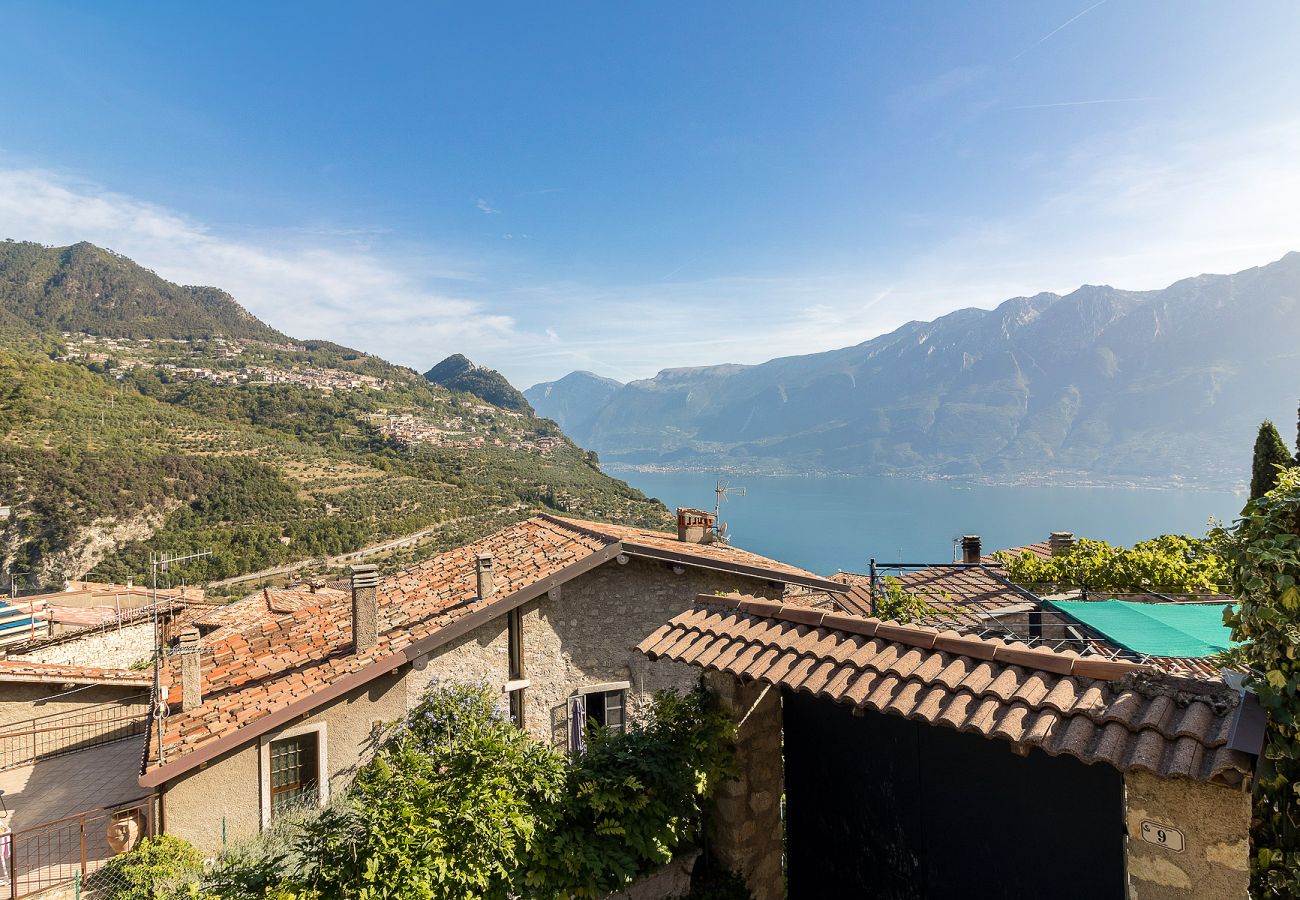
<point>365,607</point>
<point>191,670</point>
<point>970,549</point>
<point>483,579</point>
<point>1060,542</point>
<point>695,526</point>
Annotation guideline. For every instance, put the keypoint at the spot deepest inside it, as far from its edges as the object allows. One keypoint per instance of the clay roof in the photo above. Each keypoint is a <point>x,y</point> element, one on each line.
<point>272,658</point>
<point>959,595</point>
<point>663,545</point>
<point>265,605</point>
<point>1097,710</point>
<point>51,673</point>
<point>1042,549</point>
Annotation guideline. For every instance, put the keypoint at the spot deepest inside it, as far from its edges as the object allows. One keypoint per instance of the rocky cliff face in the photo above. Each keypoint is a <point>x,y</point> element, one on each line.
<point>1100,383</point>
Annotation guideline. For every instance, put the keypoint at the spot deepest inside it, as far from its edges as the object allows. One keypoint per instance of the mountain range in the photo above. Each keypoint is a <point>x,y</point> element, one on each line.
<point>138,416</point>
<point>1100,384</point>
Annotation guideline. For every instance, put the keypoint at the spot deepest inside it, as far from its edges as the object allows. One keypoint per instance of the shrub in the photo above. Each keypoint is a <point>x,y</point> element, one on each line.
<point>159,868</point>
<point>448,808</point>
<point>1264,554</point>
<point>633,799</point>
<point>1174,563</point>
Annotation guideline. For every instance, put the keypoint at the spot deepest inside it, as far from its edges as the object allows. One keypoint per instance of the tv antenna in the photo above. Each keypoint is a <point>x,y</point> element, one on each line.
<point>723,491</point>
<point>162,562</point>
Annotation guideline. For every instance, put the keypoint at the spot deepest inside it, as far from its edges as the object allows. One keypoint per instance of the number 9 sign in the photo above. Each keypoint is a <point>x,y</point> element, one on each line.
<point>1165,836</point>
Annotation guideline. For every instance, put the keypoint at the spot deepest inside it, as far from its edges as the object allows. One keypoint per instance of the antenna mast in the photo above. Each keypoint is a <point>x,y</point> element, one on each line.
<point>161,561</point>
<point>722,491</point>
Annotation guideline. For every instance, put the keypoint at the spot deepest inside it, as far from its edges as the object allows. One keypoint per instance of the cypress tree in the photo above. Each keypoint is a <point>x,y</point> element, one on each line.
<point>1270,453</point>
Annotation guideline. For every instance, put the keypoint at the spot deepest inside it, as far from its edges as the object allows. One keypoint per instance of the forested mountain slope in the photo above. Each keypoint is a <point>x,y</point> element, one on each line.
<point>123,438</point>
<point>1100,384</point>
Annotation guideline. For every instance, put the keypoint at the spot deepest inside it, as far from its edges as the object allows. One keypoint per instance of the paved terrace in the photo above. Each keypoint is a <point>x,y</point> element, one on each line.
<point>65,786</point>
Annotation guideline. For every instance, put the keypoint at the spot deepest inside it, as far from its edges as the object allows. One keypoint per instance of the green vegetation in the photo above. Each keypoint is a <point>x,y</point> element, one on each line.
<point>893,601</point>
<point>456,373</point>
<point>1170,563</point>
<point>115,447</point>
<point>1271,456</point>
<point>459,802</point>
<point>85,288</point>
<point>159,868</point>
<point>1263,553</point>
<point>632,800</point>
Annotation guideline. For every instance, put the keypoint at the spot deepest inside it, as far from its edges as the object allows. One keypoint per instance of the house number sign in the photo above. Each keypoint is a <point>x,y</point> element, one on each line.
<point>1162,836</point>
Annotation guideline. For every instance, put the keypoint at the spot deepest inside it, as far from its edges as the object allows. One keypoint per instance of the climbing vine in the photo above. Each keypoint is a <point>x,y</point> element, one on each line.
<point>1171,562</point>
<point>1263,553</point>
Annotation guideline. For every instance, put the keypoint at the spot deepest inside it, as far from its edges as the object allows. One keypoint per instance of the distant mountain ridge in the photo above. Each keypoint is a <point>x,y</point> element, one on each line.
<point>84,288</point>
<point>457,373</point>
<point>571,401</point>
<point>1099,384</point>
<point>138,416</point>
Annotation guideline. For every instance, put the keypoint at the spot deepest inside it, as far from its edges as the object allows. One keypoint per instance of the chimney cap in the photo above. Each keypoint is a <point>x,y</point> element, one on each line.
<point>365,576</point>
<point>483,559</point>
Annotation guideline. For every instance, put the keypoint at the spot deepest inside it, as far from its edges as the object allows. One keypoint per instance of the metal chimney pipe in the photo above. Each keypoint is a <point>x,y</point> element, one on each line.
<point>365,607</point>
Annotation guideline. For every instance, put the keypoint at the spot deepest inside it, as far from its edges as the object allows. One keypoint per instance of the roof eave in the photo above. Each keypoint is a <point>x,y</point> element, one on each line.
<point>486,613</point>
<point>686,558</point>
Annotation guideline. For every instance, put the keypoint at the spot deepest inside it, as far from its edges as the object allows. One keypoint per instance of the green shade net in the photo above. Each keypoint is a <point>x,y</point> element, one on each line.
<point>1155,629</point>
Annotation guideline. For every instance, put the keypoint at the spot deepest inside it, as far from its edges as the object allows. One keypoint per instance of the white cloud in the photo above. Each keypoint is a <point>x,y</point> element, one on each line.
<point>1137,209</point>
<point>486,208</point>
<point>306,284</point>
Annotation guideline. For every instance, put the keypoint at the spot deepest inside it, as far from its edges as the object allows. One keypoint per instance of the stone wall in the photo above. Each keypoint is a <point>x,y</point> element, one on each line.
<point>110,648</point>
<point>746,829</point>
<point>1214,821</point>
<point>585,633</point>
<point>669,882</point>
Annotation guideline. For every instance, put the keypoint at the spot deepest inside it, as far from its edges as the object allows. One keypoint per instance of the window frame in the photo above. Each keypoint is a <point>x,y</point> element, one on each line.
<point>518,681</point>
<point>604,689</point>
<point>321,733</point>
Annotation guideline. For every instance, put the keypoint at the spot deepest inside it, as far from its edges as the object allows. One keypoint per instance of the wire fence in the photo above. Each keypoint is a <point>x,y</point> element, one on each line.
<point>69,851</point>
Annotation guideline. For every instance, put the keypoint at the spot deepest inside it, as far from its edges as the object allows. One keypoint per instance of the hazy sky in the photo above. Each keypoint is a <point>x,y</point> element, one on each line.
<point>626,187</point>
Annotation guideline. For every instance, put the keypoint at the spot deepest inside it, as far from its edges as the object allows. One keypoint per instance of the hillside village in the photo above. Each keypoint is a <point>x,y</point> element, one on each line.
<point>367,585</point>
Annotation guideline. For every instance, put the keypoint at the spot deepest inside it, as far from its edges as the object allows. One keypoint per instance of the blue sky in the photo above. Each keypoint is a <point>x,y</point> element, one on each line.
<point>628,187</point>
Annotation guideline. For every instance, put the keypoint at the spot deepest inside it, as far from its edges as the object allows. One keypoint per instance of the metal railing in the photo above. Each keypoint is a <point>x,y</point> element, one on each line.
<point>23,620</point>
<point>70,848</point>
<point>23,743</point>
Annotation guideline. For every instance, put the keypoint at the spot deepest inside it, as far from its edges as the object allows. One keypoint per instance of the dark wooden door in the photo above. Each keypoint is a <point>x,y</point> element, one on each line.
<point>879,806</point>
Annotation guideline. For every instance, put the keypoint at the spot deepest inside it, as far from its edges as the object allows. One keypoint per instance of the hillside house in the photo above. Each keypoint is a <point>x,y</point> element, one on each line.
<point>276,700</point>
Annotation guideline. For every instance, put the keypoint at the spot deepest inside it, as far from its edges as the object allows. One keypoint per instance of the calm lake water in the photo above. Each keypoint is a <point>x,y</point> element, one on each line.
<point>832,523</point>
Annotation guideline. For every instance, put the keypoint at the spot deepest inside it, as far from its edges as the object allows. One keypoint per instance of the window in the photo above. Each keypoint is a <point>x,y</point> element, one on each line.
<point>605,709</point>
<point>515,636</point>
<point>293,769</point>
<point>295,772</point>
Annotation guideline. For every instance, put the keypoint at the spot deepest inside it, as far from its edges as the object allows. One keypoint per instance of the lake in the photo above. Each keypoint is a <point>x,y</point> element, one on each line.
<point>826,524</point>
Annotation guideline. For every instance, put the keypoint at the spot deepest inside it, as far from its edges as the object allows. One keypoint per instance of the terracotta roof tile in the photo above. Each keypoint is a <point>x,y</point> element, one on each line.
<point>278,648</point>
<point>51,673</point>
<point>1136,718</point>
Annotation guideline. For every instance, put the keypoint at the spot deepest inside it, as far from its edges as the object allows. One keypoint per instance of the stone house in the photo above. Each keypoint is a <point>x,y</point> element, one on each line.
<point>915,762</point>
<point>276,700</point>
